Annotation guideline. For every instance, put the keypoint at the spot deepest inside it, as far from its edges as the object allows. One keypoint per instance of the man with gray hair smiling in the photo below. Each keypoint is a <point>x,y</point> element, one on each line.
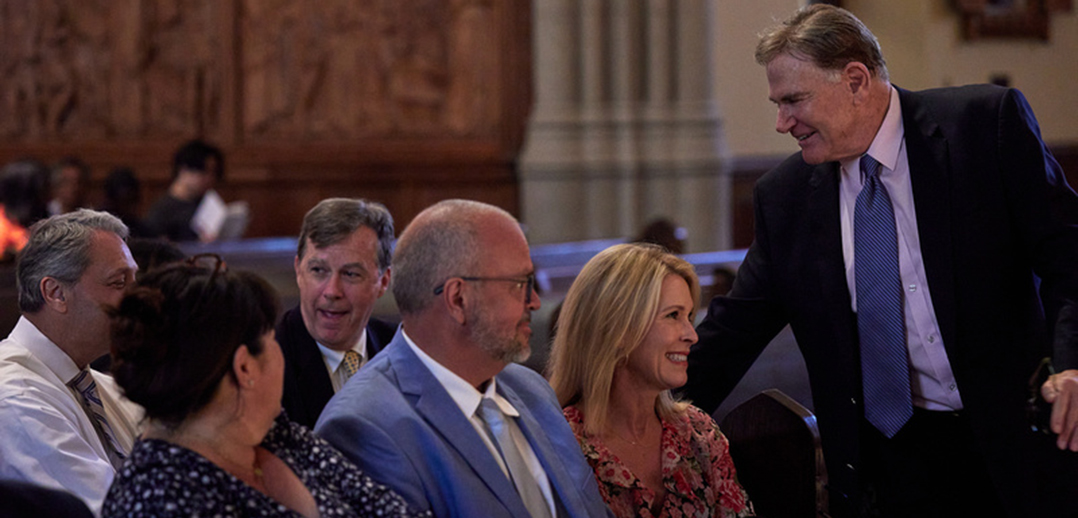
<point>342,269</point>
<point>443,415</point>
<point>63,424</point>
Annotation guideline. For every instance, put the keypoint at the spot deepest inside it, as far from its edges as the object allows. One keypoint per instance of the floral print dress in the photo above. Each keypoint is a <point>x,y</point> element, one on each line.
<point>697,471</point>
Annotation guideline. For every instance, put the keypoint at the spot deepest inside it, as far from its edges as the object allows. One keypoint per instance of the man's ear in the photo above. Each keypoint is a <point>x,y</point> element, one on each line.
<point>383,283</point>
<point>295,267</point>
<point>857,79</point>
<point>55,294</point>
<point>455,300</point>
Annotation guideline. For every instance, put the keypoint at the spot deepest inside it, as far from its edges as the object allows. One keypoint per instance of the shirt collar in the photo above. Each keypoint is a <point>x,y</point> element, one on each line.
<point>887,143</point>
<point>50,354</point>
<point>334,357</point>
<point>463,393</point>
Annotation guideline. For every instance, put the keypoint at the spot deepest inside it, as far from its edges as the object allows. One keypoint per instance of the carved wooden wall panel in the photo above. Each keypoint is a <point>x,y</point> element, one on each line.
<point>387,97</point>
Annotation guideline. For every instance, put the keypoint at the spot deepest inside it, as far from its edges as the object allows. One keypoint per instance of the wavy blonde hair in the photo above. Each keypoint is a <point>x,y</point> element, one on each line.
<point>605,316</point>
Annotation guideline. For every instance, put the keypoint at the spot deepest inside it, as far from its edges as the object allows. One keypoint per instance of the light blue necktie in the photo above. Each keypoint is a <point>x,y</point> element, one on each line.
<point>519,474</point>
<point>881,325</point>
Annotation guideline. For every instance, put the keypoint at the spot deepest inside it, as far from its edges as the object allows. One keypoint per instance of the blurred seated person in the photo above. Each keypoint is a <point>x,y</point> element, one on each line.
<point>122,197</point>
<point>663,232</point>
<point>24,190</point>
<point>196,168</point>
<point>69,186</point>
<point>622,342</point>
<point>193,343</point>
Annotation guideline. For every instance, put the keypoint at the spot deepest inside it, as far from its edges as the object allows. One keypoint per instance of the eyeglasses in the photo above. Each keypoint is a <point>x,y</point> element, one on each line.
<point>1039,411</point>
<point>527,283</point>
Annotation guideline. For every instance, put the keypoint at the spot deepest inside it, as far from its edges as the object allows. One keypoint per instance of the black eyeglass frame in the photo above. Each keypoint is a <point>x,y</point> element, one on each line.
<point>528,282</point>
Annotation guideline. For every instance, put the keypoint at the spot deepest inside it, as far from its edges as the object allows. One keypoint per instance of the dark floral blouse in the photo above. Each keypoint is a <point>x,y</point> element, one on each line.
<point>697,471</point>
<point>161,479</point>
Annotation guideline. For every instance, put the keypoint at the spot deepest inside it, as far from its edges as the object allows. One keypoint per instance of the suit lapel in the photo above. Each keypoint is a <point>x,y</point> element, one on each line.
<point>829,266</point>
<point>561,483</point>
<point>435,405</point>
<point>311,374</point>
<point>927,152</point>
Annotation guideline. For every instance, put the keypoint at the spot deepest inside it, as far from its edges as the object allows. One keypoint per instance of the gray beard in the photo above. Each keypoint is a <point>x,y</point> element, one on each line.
<point>508,350</point>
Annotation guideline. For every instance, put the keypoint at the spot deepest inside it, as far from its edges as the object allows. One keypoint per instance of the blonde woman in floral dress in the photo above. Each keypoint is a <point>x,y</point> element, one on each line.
<point>621,344</point>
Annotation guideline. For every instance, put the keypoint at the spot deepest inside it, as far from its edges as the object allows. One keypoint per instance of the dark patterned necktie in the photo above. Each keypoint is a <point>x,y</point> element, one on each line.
<point>85,385</point>
<point>881,325</point>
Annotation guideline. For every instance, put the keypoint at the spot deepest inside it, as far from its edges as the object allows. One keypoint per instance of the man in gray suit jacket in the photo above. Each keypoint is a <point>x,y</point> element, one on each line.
<point>984,246</point>
<point>443,415</point>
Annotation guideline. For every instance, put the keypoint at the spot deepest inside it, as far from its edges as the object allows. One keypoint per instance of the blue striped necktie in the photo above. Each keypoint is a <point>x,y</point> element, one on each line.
<point>881,325</point>
<point>85,385</point>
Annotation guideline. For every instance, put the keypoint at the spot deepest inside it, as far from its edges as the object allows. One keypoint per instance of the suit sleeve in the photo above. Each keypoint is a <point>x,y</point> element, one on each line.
<point>1047,211</point>
<point>377,453</point>
<point>738,326</point>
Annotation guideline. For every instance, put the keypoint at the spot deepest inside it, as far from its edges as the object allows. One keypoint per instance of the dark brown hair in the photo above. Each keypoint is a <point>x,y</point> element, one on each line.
<point>174,335</point>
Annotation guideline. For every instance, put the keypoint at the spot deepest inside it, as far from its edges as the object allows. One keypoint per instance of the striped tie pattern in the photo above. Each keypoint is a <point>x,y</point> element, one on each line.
<point>85,385</point>
<point>881,325</point>
<point>350,364</point>
<point>519,473</point>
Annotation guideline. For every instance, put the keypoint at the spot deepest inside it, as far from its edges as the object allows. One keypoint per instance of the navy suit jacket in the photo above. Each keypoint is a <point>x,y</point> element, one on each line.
<point>396,421</point>
<point>994,213</point>
<point>307,387</point>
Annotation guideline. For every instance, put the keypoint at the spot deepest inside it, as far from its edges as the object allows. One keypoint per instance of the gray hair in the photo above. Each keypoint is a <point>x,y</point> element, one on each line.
<point>830,37</point>
<point>334,219</point>
<point>59,247</point>
<point>441,242</point>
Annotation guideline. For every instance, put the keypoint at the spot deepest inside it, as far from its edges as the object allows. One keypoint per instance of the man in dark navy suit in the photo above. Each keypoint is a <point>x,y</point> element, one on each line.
<point>938,223</point>
<point>342,267</point>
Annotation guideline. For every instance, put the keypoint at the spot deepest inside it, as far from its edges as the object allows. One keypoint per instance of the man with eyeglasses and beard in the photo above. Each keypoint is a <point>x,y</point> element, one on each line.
<point>443,415</point>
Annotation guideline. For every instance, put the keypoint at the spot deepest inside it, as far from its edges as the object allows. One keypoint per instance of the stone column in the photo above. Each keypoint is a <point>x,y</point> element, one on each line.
<point>624,128</point>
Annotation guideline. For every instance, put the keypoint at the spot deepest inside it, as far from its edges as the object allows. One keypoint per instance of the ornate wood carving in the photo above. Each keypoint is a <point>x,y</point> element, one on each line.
<point>383,94</point>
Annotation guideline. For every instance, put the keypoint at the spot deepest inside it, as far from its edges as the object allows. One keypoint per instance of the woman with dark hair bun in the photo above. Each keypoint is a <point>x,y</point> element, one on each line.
<point>193,344</point>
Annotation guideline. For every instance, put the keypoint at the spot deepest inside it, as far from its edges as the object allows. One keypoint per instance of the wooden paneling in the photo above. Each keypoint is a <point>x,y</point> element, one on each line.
<point>402,102</point>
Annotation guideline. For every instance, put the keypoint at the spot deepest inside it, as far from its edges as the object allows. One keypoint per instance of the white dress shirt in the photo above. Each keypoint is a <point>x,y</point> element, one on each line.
<point>333,359</point>
<point>468,399</point>
<point>46,437</point>
<point>931,379</point>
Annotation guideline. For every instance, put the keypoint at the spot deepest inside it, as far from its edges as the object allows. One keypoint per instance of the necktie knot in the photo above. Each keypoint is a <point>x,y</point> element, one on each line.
<point>870,168</point>
<point>350,364</point>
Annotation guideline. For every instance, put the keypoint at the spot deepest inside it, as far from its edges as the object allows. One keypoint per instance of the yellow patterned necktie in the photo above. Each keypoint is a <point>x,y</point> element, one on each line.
<point>350,364</point>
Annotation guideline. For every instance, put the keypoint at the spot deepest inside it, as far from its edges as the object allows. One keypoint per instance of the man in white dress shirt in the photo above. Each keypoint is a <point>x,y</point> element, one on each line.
<point>64,425</point>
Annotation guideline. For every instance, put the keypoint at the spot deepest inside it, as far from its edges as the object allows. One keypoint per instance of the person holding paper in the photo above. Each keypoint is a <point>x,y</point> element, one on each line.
<point>196,168</point>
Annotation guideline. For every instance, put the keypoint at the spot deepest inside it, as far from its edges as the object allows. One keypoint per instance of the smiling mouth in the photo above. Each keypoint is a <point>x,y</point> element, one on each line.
<point>805,136</point>
<point>677,357</point>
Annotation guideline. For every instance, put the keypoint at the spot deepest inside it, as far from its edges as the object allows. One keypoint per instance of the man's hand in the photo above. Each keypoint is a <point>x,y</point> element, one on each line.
<point>1061,390</point>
